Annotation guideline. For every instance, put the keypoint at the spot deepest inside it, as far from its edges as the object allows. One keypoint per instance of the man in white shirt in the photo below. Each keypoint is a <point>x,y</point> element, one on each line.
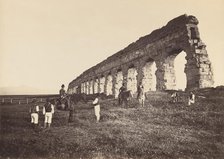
<point>97,109</point>
<point>48,111</point>
<point>141,95</point>
<point>191,99</point>
<point>34,110</point>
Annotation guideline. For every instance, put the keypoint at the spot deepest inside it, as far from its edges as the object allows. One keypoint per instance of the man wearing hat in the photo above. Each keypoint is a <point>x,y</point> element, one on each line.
<point>34,110</point>
<point>121,91</point>
<point>62,92</point>
<point>63,97</point>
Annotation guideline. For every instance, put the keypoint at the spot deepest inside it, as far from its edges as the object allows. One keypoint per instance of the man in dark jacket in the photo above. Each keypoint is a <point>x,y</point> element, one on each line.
<point>121,91</point>
<point>62,91</point>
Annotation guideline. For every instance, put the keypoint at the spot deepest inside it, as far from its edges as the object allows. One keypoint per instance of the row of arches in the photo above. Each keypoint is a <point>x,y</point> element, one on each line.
<point>164,46</point>
<point>111,83</point>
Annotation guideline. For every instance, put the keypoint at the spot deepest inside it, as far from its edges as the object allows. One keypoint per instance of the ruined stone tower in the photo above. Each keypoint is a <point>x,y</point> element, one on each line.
<point>133,64</point>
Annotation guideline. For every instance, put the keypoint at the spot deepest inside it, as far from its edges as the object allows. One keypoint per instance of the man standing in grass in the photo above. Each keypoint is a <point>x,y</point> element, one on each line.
<point>71,112</point>
<point>120,95</point>
<point>174,97</point>
<point>191,99</point>
<point>97,109</point>
<point>34,110</point>
<point>141,95</point>
<point>48,111</point>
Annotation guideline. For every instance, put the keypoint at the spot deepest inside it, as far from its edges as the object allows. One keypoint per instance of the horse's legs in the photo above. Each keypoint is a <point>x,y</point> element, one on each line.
<point>143,102</point>
<point>119,100</point>
<point>71,112</point>
<point>126,102</point>
<point>70,118</point>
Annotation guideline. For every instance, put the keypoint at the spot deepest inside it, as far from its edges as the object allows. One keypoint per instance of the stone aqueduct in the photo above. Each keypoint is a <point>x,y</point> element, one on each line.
<point>133,64</point>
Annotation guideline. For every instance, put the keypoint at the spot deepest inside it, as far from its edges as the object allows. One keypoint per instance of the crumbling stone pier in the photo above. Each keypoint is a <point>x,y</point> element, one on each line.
<point>133,64</point>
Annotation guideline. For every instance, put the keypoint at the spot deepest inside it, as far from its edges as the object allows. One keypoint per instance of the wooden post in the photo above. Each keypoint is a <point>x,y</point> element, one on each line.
<point>19,101</point>
<point>27,100</point>
<point>41,100</point>
<point>3,100</point>
<point>11,100</point>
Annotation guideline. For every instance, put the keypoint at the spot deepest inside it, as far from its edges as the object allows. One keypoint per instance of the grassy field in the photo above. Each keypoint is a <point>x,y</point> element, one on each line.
<point>159,130</point>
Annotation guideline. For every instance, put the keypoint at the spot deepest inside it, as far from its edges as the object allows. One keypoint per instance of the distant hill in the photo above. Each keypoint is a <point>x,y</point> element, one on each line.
<point>24,90</point>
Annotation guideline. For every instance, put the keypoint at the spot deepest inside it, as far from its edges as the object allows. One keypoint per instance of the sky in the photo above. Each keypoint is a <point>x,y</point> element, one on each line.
<point>46,43</point>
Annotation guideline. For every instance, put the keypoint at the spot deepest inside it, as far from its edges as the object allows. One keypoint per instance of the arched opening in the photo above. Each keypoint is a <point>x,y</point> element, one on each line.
<point>149,77</point>
<point>96,86</point>
<point>109,85</point>
<point>179,66</point>
<point>132,79</point>
<point>91,87</point>
<point>102,84</point>
<point>83,87</point>
<point>79,89</point>
<point>75,90</point>
<point>118,82</point>
<point>87,87</point>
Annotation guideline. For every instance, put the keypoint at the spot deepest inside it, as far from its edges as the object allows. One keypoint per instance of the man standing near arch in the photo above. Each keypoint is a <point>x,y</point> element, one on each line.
<point>120,95</point>
<point>141,95</point>
<point>191,99</point>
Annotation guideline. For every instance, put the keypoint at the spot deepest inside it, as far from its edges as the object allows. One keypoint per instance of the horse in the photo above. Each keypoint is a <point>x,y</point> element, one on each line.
<point>61,103</point>
<point>65,103</point>
<point>123,97</point>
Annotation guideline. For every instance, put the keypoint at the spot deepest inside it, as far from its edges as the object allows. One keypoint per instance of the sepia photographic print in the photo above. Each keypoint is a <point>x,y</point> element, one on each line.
<point>111,79</point>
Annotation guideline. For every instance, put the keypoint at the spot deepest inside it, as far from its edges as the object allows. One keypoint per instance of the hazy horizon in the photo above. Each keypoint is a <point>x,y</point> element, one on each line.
<point>44,44</point>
